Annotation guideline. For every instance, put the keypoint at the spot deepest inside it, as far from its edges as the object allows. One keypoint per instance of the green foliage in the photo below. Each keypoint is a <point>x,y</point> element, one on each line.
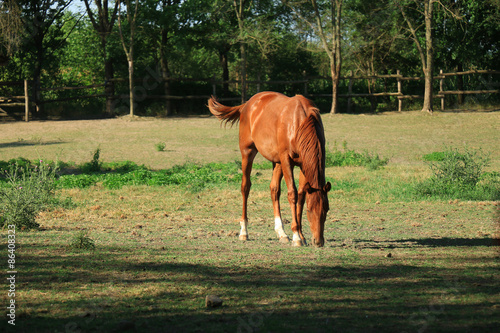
<point>82,241</point>
<point>94,165</point>
<point>264,165</point>
<point>348,157</point>
<point>459,175</point>
<point>28,190</point>
<point>437,156</point>
<point>116,175</point>
<point>160,146</point>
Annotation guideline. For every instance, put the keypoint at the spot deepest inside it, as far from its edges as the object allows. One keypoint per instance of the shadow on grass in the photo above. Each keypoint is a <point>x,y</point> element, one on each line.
<point>17,144</point>
<point>83,292</point>
<point>429,242</point>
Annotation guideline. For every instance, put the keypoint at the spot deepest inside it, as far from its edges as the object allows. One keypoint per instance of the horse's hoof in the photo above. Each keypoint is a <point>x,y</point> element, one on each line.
<point>243,237</point>
<point>297,243</point>
<point>284,239</point>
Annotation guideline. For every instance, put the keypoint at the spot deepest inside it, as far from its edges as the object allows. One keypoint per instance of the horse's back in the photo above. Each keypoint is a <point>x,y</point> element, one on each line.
<point>270,121</point>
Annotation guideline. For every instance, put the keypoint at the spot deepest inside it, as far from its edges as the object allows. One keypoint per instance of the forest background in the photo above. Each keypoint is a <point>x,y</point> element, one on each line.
<point>169,46</point>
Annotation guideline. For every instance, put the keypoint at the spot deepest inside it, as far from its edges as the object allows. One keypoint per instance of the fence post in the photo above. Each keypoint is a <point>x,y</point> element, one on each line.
<point>441,90</point>
<point>349,92</point>
<point>400,93</point>
<point>26,102</point>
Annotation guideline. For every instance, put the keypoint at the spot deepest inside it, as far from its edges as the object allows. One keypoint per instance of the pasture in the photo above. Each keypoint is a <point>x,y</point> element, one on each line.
<point>392,262</point>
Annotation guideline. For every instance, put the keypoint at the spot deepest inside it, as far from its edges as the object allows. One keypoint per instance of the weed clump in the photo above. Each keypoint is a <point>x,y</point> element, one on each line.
<point>94,165</point>
<point>82,242</point>
<point>28,190</point>
<point>459,175</point>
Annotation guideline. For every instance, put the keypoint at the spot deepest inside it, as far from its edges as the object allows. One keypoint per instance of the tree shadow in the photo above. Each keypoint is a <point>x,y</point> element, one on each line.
<point>428,242</point>
<point>28,143</point>
<point>388,296</point>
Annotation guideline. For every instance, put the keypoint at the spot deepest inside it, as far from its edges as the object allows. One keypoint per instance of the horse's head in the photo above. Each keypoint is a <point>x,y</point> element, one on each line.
<point>317,207</point>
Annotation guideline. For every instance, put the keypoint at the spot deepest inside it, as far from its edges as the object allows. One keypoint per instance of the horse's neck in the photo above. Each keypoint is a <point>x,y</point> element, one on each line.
<point>313,168</point>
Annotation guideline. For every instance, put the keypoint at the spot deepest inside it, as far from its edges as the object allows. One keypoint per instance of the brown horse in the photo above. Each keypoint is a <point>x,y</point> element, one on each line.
<point>288,132</point>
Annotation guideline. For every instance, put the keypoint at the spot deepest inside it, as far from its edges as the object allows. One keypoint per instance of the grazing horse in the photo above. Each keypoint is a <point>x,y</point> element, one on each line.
<point>288,132</point>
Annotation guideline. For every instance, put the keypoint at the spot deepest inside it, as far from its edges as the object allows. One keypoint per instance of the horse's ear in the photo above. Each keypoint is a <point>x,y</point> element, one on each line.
<point>327,187</point>
<point>307,188</point>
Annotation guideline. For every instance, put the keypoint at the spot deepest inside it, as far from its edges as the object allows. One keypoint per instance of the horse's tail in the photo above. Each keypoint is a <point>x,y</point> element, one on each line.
<point>224,113</point>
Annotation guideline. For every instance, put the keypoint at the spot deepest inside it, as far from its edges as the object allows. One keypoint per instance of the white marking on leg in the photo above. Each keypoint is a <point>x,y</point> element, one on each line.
<point>278,227</point>
<point>244,230</point>
<point>297,241</point>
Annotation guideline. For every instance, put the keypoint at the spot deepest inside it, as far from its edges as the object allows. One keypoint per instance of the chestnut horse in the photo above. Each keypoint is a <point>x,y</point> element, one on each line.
<point>288,132</point>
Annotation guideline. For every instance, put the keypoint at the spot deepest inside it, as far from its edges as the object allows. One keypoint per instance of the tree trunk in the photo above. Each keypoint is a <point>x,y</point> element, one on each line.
<point>335,88</point>
<point>37,73</point>
<point>336,56</point>
<point>165,71</point>
<point>223,58</point>
<point>429,61</point>
<point>240,16</point>
<point>109,89</point>
<point>243,73</point>
<point>131,84</point>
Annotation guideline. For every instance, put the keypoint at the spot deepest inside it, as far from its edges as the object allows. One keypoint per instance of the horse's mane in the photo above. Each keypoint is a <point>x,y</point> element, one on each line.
<point>311,144</point>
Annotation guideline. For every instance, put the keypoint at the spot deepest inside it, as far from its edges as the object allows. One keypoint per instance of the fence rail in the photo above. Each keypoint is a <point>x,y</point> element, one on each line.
<point>441,94</point>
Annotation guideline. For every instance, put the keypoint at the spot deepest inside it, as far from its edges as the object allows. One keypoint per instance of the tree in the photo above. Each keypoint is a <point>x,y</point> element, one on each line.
<point>162,25</point>
<point>11,27</point>
<point>372,40</point>
<point>43,22</point>
<point>240,10</point>
<point>103,23</point>
<point>470,42</point>
<point>425,48</point>
<point>329,34</point>
<point>129,50</point>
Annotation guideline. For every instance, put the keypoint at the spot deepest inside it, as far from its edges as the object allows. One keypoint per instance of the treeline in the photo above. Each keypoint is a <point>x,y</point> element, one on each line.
<point>57,43</point>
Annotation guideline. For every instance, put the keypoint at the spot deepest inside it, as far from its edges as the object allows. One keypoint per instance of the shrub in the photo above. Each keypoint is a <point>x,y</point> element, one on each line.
<point>459,175</point>
<point>29,190</point>
<point>160,146</point>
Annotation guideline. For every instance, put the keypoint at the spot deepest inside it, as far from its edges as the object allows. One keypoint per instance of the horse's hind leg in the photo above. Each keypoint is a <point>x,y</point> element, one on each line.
<point>247,157</point>
<point>275,196</point>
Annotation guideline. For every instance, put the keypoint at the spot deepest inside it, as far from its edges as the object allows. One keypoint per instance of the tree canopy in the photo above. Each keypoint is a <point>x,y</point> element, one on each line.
<point>74,43</point>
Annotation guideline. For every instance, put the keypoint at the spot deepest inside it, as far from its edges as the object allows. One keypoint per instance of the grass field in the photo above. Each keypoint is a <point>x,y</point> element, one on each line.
<point>392,262</point>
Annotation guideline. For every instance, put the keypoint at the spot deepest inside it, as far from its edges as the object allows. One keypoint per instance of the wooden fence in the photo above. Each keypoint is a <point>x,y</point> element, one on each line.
<point>140,83</point>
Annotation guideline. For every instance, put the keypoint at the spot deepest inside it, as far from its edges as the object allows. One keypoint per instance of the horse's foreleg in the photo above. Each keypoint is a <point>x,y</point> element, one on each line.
<point>287,168</point>
<point>300,207</point>
<point>246,165</point>
<point>275,196</point>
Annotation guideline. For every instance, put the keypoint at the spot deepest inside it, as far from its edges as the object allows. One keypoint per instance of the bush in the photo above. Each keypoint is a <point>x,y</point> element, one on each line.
<point>29,190</point>
<point>459,175</point>
<point>160,146</point>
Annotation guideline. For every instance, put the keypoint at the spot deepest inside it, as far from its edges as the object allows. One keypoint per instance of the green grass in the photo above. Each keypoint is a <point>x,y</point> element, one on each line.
<point>159,249</point>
